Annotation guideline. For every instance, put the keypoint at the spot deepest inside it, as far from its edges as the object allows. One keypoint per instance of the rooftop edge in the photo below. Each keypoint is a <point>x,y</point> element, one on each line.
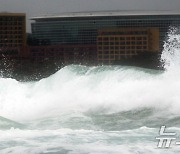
<point>105,13</point>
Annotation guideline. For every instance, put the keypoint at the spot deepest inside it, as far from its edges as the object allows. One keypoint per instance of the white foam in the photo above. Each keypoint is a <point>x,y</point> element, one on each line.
<point>81,141</point>
<point>111,90</point>
<point>76,89</point>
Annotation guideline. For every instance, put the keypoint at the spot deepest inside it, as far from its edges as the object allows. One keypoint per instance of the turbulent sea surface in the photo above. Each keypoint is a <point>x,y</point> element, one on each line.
<point>93,110</point>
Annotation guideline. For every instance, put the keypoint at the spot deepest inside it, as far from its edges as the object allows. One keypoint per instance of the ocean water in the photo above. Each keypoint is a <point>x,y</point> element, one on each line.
<point>94,110</point>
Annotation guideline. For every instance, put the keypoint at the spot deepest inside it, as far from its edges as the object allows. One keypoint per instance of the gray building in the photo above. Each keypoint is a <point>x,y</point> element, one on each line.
<point>116,34</point>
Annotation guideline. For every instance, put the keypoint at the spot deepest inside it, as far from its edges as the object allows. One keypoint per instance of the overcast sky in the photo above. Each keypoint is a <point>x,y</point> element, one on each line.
<point>39,7</point>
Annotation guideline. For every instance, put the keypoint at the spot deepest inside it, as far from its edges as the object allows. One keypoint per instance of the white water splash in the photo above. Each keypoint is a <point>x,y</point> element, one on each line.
<point>93,109</point>
<point>171,53</point>
<point>79,89</point>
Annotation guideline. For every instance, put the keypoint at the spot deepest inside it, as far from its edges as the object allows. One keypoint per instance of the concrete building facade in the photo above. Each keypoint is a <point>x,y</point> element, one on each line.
<point>116,34</point>
<point>12,33</point>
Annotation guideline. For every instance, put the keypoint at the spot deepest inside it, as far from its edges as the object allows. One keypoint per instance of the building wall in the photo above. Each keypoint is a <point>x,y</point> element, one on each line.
<point>79,30</point>
<point>12,32</point>
<point>153,37</point>
<point>113,44</point>
<point>115,37</point>
<point>65,54</point>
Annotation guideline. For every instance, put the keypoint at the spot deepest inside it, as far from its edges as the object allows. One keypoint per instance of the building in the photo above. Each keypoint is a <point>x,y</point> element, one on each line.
<point>113,44</point>
<point>109,36</point>
<point>12,34</point>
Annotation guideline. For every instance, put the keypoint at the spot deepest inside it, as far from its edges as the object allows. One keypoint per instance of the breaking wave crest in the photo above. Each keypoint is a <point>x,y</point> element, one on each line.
<point>102,109</point>
<point>98,90</point>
